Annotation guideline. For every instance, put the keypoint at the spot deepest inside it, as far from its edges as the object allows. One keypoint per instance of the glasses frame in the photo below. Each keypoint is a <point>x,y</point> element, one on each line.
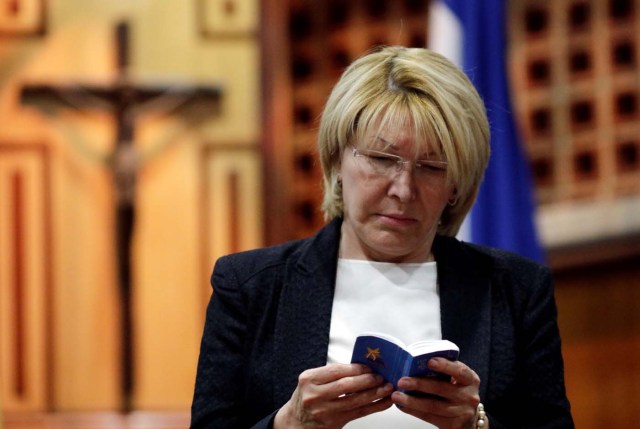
<point>371,154</point>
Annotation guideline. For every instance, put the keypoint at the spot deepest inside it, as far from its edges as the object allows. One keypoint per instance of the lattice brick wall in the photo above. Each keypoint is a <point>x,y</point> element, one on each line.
<point>574,68</point>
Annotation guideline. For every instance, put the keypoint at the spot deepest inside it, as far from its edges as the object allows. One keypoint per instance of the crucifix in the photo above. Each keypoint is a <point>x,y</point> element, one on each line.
<point>126,100</point>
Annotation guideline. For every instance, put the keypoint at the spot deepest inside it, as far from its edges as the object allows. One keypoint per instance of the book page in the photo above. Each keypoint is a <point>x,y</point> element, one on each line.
<point>432,346</point>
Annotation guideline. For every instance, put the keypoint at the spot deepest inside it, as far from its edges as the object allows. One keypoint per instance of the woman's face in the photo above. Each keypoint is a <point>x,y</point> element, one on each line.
<point>390,217</point>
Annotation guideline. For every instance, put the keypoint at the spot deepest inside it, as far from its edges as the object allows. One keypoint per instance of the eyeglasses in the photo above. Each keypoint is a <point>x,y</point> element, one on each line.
<point>386,164</point>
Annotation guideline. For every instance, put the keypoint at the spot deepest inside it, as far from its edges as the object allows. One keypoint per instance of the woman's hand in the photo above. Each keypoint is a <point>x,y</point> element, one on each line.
<point>448,404</point>
<point>331,396</point>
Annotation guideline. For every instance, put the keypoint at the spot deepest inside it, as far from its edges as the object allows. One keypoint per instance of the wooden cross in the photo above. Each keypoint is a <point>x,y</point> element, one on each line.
<point>122,97</point>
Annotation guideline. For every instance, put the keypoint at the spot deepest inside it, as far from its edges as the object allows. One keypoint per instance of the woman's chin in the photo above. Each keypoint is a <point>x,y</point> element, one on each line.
<point>395,251</point>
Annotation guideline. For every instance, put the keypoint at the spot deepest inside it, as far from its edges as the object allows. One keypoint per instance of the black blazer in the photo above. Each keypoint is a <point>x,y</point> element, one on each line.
<point>269,318</point>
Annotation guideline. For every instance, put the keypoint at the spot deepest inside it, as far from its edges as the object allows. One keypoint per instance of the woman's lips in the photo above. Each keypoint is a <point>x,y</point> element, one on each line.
<point>397,219</point>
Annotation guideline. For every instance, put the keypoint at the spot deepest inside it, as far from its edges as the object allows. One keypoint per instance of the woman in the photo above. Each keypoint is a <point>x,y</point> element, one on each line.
<point>404,142</point>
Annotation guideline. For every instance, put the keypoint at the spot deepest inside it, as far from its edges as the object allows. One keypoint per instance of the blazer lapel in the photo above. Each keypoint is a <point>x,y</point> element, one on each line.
<point>304,317</point>
<point>465,302</point>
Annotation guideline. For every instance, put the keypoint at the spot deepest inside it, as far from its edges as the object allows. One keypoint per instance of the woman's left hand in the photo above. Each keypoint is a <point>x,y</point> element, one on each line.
<point>455,402</point>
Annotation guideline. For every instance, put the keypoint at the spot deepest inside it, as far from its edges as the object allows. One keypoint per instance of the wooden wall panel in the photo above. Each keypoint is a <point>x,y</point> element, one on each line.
<point>25,277</point>
<point>600,326</point>
<point>233,201</point>
<point>227,18</point>
<point>22,17</point>
<point>86,314</point>
<point>167,281</point>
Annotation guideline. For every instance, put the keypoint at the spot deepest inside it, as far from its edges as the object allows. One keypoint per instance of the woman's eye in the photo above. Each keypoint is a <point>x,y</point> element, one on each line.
<point>430,167</point>
<point>383,159</point>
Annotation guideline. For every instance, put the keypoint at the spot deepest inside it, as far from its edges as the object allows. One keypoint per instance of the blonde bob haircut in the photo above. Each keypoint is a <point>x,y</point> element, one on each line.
<point>397,86</point>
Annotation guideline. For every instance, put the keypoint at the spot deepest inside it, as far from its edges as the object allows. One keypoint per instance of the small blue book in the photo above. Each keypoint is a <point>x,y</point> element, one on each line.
<point>392,359</point>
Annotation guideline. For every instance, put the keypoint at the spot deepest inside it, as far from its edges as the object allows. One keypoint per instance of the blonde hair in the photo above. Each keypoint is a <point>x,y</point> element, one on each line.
<point>396,83</point>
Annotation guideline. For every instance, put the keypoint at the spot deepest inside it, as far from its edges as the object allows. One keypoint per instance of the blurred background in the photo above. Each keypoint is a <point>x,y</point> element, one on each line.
<point>142,139</point>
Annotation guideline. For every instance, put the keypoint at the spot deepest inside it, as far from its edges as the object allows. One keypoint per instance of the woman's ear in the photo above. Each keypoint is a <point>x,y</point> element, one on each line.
<point>337,170</point>
<point>453,197</point>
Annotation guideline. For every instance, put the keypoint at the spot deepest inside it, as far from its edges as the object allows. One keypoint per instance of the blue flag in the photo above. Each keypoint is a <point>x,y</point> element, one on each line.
<point>472,33</point>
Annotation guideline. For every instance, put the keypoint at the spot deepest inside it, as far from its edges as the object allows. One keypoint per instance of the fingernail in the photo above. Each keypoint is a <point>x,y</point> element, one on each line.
<point>398,397</point>
<point>404,383</point>
<point>435,363</point>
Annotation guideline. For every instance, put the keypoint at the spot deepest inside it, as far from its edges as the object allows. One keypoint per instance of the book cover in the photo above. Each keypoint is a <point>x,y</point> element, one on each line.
<point>392,359</point>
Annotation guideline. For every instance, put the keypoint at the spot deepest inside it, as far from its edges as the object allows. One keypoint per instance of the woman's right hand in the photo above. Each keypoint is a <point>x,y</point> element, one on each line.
<point>329,397</point>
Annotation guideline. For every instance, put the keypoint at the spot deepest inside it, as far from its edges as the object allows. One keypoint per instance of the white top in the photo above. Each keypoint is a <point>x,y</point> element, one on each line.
<point>401,300</point>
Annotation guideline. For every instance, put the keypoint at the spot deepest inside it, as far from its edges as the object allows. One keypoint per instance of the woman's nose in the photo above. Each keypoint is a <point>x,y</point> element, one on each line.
<point>403,185</point>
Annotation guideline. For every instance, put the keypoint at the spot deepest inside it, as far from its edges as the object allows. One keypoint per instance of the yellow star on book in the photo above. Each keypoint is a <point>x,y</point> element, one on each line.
<point>373,354</point>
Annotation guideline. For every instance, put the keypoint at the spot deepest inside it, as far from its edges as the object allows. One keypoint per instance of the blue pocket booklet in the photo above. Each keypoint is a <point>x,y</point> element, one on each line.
<point>392,359</point>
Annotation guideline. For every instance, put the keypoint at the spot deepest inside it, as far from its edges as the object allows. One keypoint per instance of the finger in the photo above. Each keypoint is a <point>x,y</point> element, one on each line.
<point>354,384</point>
<point>363,398</point>
<point>459,372</point>
<point>426,386</point>
<point>328,373</point>
<point>369,408</point>
<point>425,406</point>
<point>442,389</point>
<point>446,422</point>
<point>435,410</point>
